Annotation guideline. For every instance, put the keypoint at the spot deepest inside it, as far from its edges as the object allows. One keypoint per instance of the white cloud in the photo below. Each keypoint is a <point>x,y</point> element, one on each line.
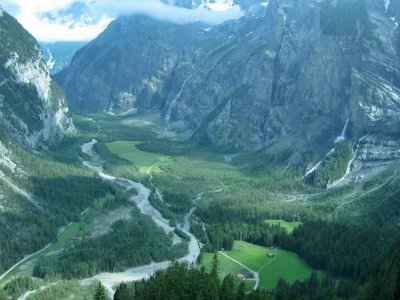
<point>79,20</point>
<point>160,10</point>
<point>219,5</point>
<point>43,20</point>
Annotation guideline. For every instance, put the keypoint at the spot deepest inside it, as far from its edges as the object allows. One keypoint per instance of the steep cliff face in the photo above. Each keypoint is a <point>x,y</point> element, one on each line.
<point>130,65</point>
<point>291,72</point>
<point>33,108</point>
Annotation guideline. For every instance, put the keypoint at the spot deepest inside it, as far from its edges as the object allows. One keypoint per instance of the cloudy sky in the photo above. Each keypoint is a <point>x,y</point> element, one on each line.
<point>82,20</point>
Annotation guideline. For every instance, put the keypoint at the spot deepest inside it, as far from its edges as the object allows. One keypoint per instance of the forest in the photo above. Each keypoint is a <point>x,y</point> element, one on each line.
<point>181,282</point>
<point>62,190</point>
<point>82,258</point>
<point>257,177</point>
<point>383,279</point>
<point>344,251</point>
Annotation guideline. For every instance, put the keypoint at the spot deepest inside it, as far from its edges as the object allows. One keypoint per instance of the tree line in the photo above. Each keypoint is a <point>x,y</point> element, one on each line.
<point>129,243</point>
<point>62,190</point>
<point>343,250</point>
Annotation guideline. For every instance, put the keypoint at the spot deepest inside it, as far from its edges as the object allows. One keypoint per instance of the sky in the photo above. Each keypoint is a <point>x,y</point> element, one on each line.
<point>83,20</point>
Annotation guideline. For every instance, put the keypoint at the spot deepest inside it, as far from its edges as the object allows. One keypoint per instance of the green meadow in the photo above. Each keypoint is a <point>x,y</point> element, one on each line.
<point>143,160</point>
<point>285,264</point>
<point>226,267</point>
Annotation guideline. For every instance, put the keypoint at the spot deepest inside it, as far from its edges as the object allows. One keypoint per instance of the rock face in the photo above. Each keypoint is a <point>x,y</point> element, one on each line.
<point>289,72</point>
<point>33,108</point>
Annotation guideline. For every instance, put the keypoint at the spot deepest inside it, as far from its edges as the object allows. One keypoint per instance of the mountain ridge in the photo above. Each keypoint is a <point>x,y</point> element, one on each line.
<point>34,109</point>
<point>285,52</point>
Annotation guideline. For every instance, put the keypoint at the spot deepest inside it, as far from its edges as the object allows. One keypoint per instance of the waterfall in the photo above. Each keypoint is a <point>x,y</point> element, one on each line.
<point>318,164</point>
<point>342,137</point>
<point>353,158</point>
<point>173,103</point>
<point>314,168</point>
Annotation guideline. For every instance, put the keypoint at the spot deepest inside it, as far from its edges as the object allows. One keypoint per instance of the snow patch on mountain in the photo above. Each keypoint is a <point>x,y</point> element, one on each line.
<point>216,5</point>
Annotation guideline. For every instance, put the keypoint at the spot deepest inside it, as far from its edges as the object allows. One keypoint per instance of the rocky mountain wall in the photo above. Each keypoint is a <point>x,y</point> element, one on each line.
<point>288,72</point>
<point>33,108</point>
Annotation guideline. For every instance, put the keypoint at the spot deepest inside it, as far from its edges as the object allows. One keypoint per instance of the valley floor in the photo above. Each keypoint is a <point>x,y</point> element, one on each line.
<point>195,199</point>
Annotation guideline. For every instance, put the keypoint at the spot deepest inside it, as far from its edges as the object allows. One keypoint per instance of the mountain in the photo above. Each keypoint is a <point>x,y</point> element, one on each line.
<point>40,190</point>
<point>298,74</point>
<point>33,108</point>
<point>59,54</point>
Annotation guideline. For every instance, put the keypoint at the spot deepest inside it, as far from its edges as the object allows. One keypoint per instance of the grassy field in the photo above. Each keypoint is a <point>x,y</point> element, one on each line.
<point>289,226</point>
<point>285,264</point>
<point>250,255</point>
<point>226,266</point>
<point>143,160</point>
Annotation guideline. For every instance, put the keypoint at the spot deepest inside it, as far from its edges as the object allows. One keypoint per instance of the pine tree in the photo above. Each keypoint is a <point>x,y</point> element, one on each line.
<point>227,288</point>
<point>100,293</point>
<point>199,297</point>
<point>214,279</point>
<point>122,292</point>
<point>281,290</point>
<point>214,267</point>
<point>241,293</point>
